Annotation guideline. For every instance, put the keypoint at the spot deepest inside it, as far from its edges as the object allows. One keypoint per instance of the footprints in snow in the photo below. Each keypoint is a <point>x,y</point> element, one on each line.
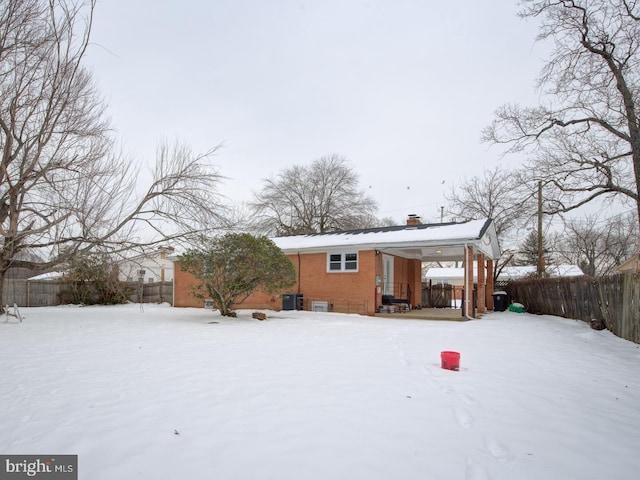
<point>498,451</point>
<point>475,471</point>
<point>462,406</point>
<point>462,416</point>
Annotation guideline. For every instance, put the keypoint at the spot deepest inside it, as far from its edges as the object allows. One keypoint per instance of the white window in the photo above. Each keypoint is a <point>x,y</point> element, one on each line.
<point>342,262</point>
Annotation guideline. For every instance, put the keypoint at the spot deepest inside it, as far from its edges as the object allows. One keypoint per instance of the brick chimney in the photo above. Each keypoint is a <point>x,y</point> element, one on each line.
<point>413,219</point>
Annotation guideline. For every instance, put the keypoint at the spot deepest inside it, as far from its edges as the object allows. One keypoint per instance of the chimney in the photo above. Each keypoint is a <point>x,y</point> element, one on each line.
<point>413,219</point>
<point>164,250</point>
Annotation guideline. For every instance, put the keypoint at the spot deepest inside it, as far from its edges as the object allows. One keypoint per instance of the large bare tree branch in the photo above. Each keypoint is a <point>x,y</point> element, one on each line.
<point>586,141</point>
<point>64,188</point>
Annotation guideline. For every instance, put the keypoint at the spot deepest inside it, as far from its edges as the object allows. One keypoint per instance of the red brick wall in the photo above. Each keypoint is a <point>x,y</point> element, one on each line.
<point>407,279</point>
<point>182,296</point>
<point>182,283</point>
<point>349,292</point>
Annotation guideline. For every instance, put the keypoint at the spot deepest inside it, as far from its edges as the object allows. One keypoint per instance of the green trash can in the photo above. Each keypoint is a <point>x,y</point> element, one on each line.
<point>516,307</point>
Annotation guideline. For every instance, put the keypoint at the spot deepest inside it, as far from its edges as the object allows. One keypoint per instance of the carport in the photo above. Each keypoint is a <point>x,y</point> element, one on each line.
<point>376,253</point>
<point>469,242</point>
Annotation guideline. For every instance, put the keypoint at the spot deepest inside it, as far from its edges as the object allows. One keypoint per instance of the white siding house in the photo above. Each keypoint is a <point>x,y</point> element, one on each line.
<point>448,275</point>
<point>455,276</point>
<point>151,267</point>
<point>515,273</point>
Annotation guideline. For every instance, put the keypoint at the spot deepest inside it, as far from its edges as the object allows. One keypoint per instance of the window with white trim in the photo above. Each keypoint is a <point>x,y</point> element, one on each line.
<point>342,262</point>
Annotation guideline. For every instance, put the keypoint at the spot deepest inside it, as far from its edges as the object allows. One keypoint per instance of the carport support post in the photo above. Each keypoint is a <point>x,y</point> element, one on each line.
<point>481,284</point>
<point>490,280</point>
<point>468,282</point>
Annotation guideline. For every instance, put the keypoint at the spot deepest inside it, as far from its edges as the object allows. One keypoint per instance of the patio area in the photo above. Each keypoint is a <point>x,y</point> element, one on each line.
<point>449,314</point>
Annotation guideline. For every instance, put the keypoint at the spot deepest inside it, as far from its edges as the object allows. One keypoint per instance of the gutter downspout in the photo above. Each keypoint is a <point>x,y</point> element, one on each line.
<point>466,286</point>
<point>298,273</point>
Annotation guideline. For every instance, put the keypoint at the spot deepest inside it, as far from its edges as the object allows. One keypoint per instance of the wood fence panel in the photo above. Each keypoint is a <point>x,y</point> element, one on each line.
<point>47,293</point>
<point>42,293</point>
<point>613,299</point>
<point>156,292</point>
<point>15,291</point>
<point>32,293</point>
<point>630,327</point>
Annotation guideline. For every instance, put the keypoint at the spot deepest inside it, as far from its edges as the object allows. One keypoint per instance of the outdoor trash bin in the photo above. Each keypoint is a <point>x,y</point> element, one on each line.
<point>499,301</point>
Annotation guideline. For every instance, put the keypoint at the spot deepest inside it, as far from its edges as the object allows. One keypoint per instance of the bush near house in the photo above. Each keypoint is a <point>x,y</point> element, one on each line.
<point>94,280</point>
<point>231,267</point>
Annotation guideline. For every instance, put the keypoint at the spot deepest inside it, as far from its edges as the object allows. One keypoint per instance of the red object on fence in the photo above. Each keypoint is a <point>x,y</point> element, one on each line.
<point>450,360</point>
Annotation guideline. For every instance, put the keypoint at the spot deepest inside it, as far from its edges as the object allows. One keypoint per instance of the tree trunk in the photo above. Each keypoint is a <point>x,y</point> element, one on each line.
<point>636,170</point>
<point>3,275</point>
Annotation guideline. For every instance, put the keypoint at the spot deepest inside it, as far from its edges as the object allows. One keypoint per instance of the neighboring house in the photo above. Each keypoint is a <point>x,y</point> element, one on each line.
<point>49,276</point>
<point>359,271</point>
<point>151,267</point>
<point>439,280</point>
<point>455,276</point>
<point>632,265</point>
<point>447,275</point>
<point>516,273</point>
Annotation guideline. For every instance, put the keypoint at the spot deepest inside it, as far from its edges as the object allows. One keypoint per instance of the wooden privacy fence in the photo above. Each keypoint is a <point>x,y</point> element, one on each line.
<point>43,293</point>
<point>441,295</point>
<point>157,292</point>
<point>614,299</point>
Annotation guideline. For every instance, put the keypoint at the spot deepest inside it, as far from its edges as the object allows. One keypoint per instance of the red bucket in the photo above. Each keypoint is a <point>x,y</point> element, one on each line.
<point>450,360</point>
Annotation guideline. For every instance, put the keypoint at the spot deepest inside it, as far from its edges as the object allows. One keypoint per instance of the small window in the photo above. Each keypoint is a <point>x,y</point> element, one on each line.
<point>342,262</point>
<point>335,262</point>
<point>351,261</point>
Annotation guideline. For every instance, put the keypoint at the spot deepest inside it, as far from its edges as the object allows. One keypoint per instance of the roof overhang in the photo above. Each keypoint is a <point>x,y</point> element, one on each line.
<point>428,243</point>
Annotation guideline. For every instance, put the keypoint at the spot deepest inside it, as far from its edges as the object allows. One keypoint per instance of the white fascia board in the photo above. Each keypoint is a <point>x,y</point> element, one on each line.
<point>382,246</point>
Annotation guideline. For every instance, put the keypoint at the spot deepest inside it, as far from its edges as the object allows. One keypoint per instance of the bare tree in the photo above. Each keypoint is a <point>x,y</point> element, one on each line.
<point>497,194</point>
<point>63,187</point>
<point>586,142</point>
<point>596,246</point>
<point>321,197</point>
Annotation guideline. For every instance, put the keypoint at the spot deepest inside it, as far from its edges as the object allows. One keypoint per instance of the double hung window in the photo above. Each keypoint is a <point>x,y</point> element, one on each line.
<point>342,262</point>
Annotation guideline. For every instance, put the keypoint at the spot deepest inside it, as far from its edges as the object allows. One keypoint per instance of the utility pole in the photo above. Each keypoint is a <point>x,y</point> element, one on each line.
<point>442,214</point>
<point>541,268</point>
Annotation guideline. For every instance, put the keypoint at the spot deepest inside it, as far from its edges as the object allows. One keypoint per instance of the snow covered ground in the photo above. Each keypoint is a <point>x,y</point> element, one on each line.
<point>163,393</point>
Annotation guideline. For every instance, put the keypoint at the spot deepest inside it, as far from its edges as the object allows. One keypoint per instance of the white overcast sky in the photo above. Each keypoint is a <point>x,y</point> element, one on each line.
<point>401,88</point>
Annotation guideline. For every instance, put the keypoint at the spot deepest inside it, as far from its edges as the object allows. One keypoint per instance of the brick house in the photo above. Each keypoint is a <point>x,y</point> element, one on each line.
<point>360,271</point>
